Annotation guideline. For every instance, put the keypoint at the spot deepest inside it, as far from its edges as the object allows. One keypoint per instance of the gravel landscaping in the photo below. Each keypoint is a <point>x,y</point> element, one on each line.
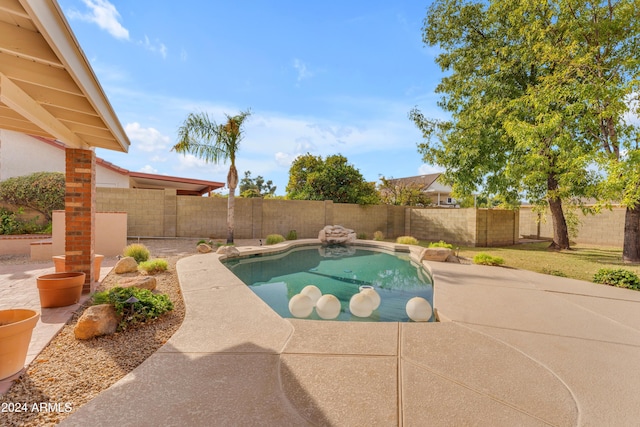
<point>70,372</point>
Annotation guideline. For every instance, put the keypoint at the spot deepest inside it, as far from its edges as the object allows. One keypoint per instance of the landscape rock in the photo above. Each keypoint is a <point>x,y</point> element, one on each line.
<point>126,265</point>
<point>229,251</point>
<point>203,248</point>
<point>437,254</point>
<point>336,234</point>
<point>96,320</point>
<point>142,282</point>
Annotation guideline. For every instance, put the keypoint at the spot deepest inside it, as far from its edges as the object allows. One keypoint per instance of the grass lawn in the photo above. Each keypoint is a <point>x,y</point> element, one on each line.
<point>581,262</point>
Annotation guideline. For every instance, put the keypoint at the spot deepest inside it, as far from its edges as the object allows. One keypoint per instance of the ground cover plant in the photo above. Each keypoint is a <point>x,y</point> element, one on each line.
<point>618,277</point>
<point>407,240</point>
<point>486,259</point>
<point>134,305</point>
<point>441,244</point>
<point>154,266</point>
<point>272,239</point>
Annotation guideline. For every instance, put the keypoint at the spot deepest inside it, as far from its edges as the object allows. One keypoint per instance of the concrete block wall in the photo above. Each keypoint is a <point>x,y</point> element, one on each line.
<point>281,216</point>
<point>605,228</point>
<point>496,227</point>
<point>204,217</point>
<point>145,208</point>
<point>456,226</point>
<point>362,219</point>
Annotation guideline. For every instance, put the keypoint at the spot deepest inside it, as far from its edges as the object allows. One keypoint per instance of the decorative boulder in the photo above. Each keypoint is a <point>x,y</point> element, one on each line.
<point>437,254</point>
<point>203,248</point>
<point>126,265</point>
<point>142,282</point>
<point>95,321</point>
<point>336,234</point>
<point>229,251</point>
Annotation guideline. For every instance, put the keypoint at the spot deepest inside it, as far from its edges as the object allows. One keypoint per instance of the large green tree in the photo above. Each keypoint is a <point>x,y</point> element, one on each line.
<point>314,178</point>
<point>204,138</point>
<point>513,90</point>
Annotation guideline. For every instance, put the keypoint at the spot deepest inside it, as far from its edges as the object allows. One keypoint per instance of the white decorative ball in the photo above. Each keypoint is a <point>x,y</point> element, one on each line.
<point>375,298</point>
<point>300,305</point>
<point>361,305</point>
<point>312,292</point>
<point>328,307</point>
<point>419,309</point>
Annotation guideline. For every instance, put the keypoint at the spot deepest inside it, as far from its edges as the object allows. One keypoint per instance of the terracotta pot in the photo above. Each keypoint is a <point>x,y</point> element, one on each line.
<point>60,289</point>
<point>16,326</point>
<point>59,264</point>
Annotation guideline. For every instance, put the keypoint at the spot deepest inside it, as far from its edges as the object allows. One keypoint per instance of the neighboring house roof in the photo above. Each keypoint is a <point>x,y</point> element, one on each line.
<point>183,186</point>
<point>47,86</point>
<point>424,181</point>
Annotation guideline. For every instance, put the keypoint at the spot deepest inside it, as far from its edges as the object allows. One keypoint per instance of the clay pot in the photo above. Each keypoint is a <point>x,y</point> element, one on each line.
<point>16,326</point>
<point>60,289</point>
<point>59,264</point>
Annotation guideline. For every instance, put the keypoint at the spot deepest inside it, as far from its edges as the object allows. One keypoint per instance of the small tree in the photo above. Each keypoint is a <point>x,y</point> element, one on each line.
<point>256,187</point>
<point>402,194</point>
<point>40,191</point>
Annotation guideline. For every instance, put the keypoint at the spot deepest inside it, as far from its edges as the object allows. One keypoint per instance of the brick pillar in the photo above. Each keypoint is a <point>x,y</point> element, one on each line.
<point>80,213</point>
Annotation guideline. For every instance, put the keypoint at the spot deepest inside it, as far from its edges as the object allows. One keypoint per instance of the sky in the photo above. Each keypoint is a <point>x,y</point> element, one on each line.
<point>331,77</point>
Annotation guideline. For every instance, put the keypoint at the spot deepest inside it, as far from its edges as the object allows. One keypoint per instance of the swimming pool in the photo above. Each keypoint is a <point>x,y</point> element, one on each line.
<point>341,271</point>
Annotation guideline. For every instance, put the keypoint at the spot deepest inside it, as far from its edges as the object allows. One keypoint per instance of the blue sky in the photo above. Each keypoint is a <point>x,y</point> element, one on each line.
<point>320,77</point>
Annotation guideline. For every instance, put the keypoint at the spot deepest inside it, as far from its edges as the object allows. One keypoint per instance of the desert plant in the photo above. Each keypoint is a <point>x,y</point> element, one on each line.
<point>486,259</point>
<point>407,240</point>
<point>441,244</point>
<point>378,235</point>
<point>292,235</point>
<point>154,266</point>
<point>272,239</point>
<point>134,305</point>
<point>137,251</point>
<point>362,236</point>
<point>618,277</point>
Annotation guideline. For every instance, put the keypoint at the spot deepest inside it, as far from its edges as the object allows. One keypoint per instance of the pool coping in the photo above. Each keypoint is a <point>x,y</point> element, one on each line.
<point>237,362</point>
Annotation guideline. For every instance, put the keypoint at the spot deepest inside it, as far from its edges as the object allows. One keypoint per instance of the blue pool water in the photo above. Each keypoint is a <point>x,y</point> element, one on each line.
<point>339,271</point>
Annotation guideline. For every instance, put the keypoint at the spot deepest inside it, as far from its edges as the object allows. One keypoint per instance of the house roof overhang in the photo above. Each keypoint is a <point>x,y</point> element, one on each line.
<point>47,87</point>
<point>183,186</point>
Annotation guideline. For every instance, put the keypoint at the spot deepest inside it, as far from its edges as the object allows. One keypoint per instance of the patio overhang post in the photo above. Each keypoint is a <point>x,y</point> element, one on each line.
<point>80,213</point>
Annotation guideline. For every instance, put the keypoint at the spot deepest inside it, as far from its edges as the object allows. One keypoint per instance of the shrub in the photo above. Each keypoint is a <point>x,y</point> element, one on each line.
<point>11,223</point>
<point>292,235</point>
<point>146,305</point>
<point>42,191</point>
<point>272,239</point>
<point>138,251</point>
<point>362,236</point>
<point>154,266</point>
<point>378,235</point>
<point>619,277</point>
<point>486,259</point>
<point>407,240</point>
<point>441,244</point>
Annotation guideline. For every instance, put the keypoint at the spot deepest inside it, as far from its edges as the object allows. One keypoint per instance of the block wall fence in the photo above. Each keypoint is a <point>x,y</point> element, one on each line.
<point>161,213</point>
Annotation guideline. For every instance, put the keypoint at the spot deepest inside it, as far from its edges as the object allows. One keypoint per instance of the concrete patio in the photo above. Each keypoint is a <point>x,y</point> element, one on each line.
<point>520,348</point>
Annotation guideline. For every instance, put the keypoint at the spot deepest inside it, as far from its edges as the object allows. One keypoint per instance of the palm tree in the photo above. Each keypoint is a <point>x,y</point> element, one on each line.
<point>207,140</point>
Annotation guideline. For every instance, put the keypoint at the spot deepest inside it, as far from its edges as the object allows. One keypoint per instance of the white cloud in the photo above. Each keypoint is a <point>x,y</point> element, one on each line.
<point>303,71</point>
<point>105,15</point>
<point>426,169</point>
<point>156,47</point>
<point>148,169</point>
<point>147,139</point>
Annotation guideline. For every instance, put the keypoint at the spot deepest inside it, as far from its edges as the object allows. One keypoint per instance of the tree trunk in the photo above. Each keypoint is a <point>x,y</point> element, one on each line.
<point>631,245</point>
<point>560,230</point>
<point>232,182</point>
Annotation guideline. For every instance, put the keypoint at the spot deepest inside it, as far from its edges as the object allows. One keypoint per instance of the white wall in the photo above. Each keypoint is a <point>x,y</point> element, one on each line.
<point>22,154</point>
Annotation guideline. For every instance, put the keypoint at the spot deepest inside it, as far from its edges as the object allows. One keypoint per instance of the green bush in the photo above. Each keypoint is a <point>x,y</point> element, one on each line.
<point>146,306</point>
<point>138,251</point>
<point>362,236</point>
<point>378,236</point>
<point>272,239</point>
<point>41,191</point>
<point>292,235</point>
<point>154,266</point>
<point>441,244</point>
<point>486,259</point>
<point>619,277</point>
<point>407,240</point>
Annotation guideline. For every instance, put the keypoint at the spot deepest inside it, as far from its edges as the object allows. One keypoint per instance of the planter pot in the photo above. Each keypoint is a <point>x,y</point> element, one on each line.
<point>60,289</point>
<point>16,327</point>
<point>59,264</point>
